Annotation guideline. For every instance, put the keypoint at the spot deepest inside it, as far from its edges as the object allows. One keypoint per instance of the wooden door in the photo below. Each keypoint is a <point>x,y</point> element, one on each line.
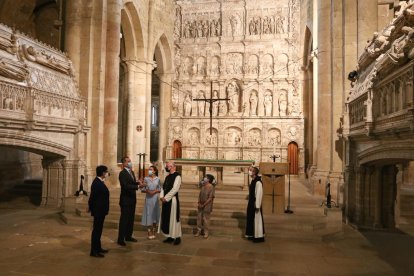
<point>293,157</point>
<point>177,150</point>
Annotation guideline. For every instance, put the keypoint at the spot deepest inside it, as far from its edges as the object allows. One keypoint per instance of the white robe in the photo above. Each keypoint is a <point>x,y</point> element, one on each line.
<point>175,227</point>
<point>258,219</point>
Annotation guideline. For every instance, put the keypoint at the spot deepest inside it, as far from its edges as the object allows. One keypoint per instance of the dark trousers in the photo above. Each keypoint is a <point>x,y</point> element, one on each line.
<point>98,223</point>
<point>126,222</point>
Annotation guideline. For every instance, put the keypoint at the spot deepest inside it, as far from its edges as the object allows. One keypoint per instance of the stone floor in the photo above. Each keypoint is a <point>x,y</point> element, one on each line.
<point>34,241</point>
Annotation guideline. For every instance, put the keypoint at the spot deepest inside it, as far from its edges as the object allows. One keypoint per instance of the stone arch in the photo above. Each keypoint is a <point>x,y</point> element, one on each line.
<point>282,67</point>
<point>267,64</point>
<point>163,53</point>
<point>387,153</point>
<point>132,30</point>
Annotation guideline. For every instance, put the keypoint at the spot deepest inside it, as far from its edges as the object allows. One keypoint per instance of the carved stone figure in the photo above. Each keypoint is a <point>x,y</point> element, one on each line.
<point>280,25</point>
<point>283,104</point>
<point>13,70</point>
<point>187,28</point>
<point>41,57</point>
<point>267,25</point>
<point>187,105</point>
<point>214,71</point>
<point>215,105</point>
<point>253,100</point>
<point>233,95</point>
<point>268,103</point>
<point>252,27</point>
<point>201,104</point>
<point>201,67</point>
<point>234,25</point>
<point>175,104</point>
<point>292,132</point>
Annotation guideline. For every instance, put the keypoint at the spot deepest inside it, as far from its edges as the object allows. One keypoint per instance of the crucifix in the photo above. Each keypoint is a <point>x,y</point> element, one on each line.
<point>210,109</point>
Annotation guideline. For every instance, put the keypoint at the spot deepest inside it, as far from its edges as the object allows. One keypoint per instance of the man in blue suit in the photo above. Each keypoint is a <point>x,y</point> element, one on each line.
<point>99,207</point>
<point>127,202</point>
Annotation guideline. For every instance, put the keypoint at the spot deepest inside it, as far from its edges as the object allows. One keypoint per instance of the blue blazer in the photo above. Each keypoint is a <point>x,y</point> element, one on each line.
<point>99,199</point>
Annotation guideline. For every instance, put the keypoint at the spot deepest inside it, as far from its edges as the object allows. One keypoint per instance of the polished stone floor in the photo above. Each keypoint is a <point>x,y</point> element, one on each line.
<point>33,241</point>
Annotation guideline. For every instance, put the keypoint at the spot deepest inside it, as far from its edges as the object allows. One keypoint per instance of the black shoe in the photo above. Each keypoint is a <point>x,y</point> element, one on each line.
<point>256,240</point>
<point>121,243</point>
<point>168,240</point>
<point>177,241</point>
<point>250,238</point>
<point>97,255</point>
<point>103,251</point>
<point>131,239</point>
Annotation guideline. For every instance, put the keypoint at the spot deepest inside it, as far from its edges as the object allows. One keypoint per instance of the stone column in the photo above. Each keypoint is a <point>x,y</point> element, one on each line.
<point>165,111</point>
<point>367,22</point>
<point>147,126</point>
<point>137,80</point>
<point>73,24</point>
<point>323,104</point>
<point>113,29</point>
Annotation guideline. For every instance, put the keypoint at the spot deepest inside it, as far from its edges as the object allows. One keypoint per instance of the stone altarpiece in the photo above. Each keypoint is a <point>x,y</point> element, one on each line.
<point>249,51</point>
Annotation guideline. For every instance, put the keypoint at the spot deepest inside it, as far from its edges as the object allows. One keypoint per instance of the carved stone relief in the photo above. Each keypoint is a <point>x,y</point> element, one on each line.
<point>249,54</point>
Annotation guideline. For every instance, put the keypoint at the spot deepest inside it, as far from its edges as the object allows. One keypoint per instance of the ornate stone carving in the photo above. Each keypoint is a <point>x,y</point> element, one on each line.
<point>46,59</point>
<point>254,137</point>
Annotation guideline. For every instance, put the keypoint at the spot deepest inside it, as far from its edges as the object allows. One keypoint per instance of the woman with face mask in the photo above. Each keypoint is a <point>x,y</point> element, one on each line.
<point>205,205</point>
<point>254,217</point>
<point>151,214</point>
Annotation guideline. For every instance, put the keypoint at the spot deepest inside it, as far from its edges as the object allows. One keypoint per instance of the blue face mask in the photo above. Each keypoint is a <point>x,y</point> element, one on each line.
<point>130,165</point>
<point>150,173</point>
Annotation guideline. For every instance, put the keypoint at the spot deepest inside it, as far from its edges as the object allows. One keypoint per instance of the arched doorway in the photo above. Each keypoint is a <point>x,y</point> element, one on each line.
<point>177,151</point>
<point>293,158</point>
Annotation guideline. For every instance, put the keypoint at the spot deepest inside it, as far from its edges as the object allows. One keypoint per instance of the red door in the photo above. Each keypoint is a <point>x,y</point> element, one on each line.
<point>293,157</point>
<point>177,150</point>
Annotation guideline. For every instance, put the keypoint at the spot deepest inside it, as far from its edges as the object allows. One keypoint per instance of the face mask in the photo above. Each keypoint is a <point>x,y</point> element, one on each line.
<point>167,169</point>
<point>205,180</point>
<point>250,173</point>
<point>150,173</point>
<point>130,165</point>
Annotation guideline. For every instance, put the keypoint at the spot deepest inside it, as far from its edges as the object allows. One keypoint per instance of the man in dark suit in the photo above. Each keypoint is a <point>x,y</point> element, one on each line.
<point>127,202</point>
<point>99,207</point>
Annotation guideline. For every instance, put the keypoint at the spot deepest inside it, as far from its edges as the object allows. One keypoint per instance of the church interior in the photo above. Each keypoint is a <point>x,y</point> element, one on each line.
<point>319,95</point>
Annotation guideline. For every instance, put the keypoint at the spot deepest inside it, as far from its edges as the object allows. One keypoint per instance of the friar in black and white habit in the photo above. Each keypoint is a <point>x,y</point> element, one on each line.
<point>170,224</point>
<point>254,217</point>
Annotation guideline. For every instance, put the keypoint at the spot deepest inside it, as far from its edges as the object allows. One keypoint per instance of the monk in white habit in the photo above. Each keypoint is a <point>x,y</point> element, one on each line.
<point>170,224</point>
<point>254,217</point>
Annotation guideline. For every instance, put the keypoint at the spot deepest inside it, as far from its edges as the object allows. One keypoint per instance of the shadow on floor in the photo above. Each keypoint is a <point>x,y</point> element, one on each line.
<point>30,190</point>
<point>396,248</point>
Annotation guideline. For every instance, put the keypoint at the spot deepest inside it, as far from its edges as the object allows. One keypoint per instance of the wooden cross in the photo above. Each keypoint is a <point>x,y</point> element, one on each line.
<point>211,101</point>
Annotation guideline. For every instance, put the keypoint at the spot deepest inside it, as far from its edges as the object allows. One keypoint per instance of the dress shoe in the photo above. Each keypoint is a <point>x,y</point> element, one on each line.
<point>131,239</point>
<point>121,243</point>
<point>257,240</point>
<point>177,241</point>
<point>103,251</point>
<point>97,255</point>
<point>168,240</point>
